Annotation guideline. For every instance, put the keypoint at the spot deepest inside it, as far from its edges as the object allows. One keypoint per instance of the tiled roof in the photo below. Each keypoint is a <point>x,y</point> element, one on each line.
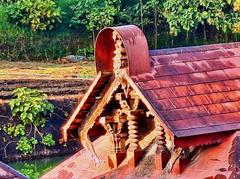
<point>195,90</point>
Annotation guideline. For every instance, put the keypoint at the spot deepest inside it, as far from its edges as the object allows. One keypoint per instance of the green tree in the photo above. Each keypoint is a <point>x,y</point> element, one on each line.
<point>37,14</point>
<point>236,7</point>
<point>94,14</point>
<point>188,15</point>
<point>153,12</point>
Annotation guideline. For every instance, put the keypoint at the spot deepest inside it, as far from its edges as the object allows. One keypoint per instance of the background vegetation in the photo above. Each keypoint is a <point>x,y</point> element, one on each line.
<point>30,110</point>
<point>47,30</point>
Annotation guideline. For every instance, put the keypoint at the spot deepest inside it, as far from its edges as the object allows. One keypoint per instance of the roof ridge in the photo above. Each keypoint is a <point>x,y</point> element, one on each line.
<point>197,48</point>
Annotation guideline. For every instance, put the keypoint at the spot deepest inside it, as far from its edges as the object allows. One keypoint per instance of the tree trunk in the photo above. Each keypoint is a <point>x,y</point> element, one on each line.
<point>155,29</point>
<point>204,33</point>
<point>187,37</point>
<point>226,37</point>
<point>93,39</point>
<point>141,13</point>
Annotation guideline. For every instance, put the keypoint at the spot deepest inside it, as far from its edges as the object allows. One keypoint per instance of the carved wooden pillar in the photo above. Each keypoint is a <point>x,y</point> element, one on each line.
<point>133,133</point>
<point>118,153</point>
<point>134,152</point>
<point>160,139</point>
<point>162,153</point>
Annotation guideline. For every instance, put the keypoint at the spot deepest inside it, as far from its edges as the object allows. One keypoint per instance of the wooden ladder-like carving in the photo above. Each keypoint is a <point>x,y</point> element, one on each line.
<point>95,112</point>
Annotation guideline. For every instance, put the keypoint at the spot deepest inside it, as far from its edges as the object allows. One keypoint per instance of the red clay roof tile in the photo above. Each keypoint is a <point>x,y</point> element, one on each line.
<point>196,90</point>
<point>165,59</point>
<point>233,73</point>
<point>199,66</point>
<point>233,84</point>
<point>217,75</point>
<point>161,93</point>
<point>182,80</point>
<point>181,102</point>
<point>164,104</point>
<point>218,86</point>
<point>182,91</point>
<point>200,88</point>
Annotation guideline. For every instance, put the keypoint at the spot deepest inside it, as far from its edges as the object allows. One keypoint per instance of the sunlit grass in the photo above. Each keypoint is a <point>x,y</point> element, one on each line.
<point>12,70</point>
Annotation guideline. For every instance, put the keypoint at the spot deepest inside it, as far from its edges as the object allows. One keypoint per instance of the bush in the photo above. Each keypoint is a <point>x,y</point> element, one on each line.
<point>31,109</point>
<point>37,14</point>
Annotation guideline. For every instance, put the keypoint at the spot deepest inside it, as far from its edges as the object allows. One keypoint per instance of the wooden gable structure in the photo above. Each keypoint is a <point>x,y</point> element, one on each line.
<point>179,99</point>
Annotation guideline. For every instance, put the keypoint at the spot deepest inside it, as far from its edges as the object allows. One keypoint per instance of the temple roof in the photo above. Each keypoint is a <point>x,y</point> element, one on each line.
<point>195,90</point>
<point>210,162</point>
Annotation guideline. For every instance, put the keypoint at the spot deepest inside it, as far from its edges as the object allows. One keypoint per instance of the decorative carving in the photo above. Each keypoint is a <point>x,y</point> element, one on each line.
<point>162,153</point>
<point>133,133</point>
<point>91,119</point>
<point>160,139</point>
<point>120,57</point>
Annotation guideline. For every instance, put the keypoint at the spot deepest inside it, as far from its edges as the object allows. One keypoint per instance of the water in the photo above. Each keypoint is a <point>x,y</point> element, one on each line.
<point>35,168</point>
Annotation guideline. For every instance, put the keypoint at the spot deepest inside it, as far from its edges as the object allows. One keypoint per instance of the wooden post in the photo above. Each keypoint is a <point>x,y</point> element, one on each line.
<point>162,153</point>
<point>134,152</point>
<point>118,154</point>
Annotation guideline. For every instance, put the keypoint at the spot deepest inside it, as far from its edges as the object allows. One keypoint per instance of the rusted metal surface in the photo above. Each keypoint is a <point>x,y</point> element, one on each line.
<point>135,44</point>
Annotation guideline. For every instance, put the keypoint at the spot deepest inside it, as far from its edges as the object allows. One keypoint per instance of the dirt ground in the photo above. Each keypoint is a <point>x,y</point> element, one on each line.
<point>46,70</point>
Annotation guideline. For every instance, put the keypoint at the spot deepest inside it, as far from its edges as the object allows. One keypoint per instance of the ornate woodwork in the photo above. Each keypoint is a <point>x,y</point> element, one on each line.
<point>121,107</point>
<point>160,139</point>
<point>120,110</point>
<point>162,155</point>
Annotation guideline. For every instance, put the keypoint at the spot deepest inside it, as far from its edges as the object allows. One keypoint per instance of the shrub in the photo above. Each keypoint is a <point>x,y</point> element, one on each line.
<point>30,108</point>
<point>37,14</point>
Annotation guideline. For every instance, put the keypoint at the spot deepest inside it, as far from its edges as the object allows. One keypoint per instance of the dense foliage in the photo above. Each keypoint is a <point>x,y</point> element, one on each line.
<point>166,23</point>
<point>94,14</point>
<point>30,171</point>
<point>30,110</point>
<point>38,14</point>
<point>183,15</point>
<point>21,43</point>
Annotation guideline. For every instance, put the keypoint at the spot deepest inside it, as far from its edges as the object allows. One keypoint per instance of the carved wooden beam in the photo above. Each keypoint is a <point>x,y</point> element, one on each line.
<point>79,107</point>
<point>92,116</point>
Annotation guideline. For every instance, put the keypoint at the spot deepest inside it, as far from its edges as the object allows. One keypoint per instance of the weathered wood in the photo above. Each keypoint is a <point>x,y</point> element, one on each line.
<point>119,96</point>
<point>93,115</point>
<point>120,57</point>
<point>106,119</point>
<point>133,133</point>
<point>81,104</point>
<point>181,162</point>
<point>162,155</point>
<point>160,139</point>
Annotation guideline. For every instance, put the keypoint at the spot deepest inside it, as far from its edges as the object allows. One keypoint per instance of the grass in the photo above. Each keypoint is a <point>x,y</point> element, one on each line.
<point>39,70</point>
